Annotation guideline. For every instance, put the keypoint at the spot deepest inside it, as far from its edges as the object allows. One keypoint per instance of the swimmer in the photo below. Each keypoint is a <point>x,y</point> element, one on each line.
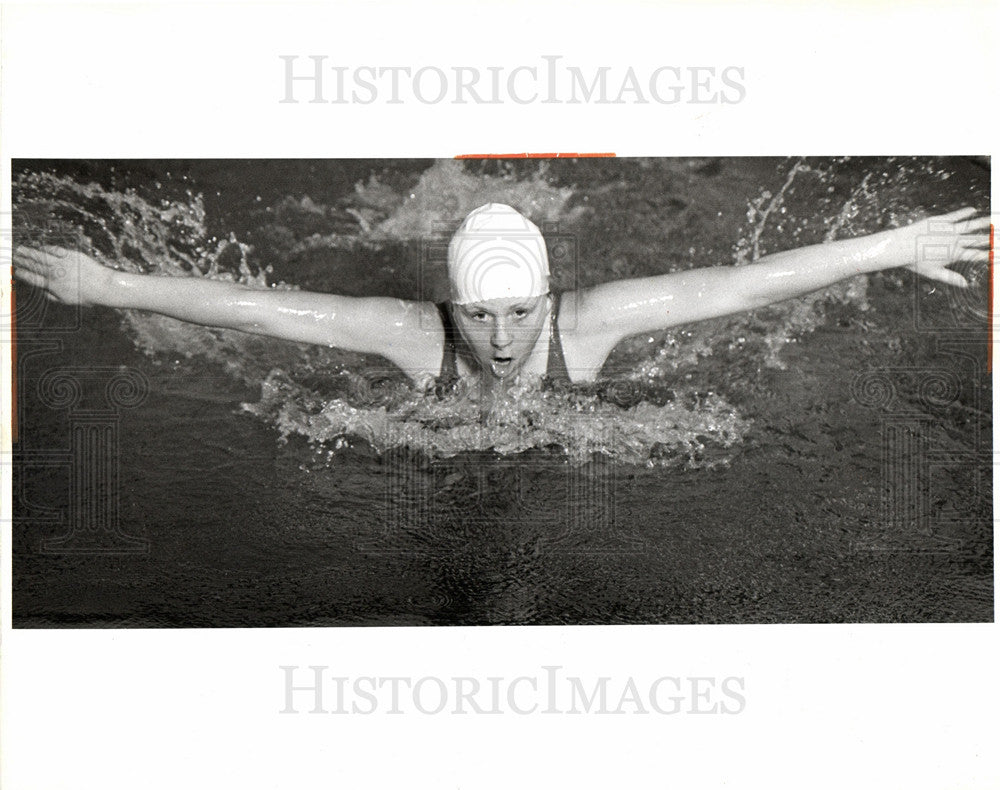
<point>502,324</point>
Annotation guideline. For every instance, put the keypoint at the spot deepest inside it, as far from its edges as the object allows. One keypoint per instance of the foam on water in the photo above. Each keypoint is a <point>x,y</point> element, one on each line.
<point>375,214</point>
<point>616,420</point>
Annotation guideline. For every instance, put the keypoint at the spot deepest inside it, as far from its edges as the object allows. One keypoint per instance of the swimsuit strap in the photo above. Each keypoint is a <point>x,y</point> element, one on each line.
<point>555,367</point>
<point>449,354</point>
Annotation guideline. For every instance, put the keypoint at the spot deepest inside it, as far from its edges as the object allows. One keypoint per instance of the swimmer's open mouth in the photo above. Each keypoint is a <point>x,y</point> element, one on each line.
<point>502,366</point>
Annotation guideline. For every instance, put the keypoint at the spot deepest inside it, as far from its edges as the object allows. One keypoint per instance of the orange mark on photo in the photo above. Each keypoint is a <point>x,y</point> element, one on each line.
<point>989,342</point>
<point>534,156</point>
<point>13,365</point>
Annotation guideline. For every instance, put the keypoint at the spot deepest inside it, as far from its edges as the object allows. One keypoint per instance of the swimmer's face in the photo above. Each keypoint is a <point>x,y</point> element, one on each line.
<point>502,332</point>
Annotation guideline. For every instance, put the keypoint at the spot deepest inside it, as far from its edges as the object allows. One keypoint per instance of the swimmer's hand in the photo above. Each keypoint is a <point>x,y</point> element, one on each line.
<point>66,276</point>
<point>930,246</point>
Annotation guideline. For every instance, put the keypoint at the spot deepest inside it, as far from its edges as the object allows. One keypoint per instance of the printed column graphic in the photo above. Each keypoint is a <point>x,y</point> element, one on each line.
<point>913,467</point>
<point>93,517</point>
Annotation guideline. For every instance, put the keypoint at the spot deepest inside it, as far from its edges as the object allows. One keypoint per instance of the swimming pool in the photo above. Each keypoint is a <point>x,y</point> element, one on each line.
<point>824,460</point>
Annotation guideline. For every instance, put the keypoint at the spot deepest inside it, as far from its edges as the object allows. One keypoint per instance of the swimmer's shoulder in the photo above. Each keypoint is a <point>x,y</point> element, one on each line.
<point>587,335</point>
<point>412,337</point>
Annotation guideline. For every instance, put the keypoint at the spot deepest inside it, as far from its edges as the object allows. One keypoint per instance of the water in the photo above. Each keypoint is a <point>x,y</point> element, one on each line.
<point>724,472</point>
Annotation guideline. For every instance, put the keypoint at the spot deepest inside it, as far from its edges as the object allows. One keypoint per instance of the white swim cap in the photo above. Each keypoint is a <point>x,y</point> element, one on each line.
<point>497,253</point>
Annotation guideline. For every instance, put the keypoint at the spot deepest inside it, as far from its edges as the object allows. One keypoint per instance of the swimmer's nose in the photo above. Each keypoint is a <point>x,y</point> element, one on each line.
<point>501,335</point>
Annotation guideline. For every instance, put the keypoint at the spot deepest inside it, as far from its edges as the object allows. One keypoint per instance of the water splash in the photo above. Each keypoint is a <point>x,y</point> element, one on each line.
<point>815,202</point>
<point>168,238</point>
<point>617,419</point>
<point>127,231</point>
<point>447,192</point>
<point>373,214</point>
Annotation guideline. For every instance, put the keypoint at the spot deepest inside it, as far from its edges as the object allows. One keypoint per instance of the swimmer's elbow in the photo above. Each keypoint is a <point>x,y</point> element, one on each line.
<point>295,331</point>
<point>261,326</point>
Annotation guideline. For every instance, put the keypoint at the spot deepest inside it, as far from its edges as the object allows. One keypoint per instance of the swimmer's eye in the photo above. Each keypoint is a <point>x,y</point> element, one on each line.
<point>521,312</point>
<point>480,316</point>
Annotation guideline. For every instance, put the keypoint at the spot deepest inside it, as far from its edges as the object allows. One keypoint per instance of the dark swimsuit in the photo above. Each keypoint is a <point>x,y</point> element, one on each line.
<point>555,367</point>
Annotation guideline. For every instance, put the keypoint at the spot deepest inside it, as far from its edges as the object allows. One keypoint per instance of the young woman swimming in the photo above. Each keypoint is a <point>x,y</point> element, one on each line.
<point>502,324</point>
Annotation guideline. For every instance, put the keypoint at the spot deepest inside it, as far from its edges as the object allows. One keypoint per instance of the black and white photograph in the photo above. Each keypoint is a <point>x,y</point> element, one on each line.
<point>500,391</point>
<point>520,394</point>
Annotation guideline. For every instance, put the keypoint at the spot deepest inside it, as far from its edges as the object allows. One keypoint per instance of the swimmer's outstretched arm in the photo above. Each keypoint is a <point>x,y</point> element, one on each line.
<point>402,331</point>
<point>616,310</point>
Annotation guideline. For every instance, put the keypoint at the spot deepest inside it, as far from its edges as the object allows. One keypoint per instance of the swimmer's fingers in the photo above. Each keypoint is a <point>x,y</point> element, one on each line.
<point>36,280</point>
<point>966,249</point>
<point>67,276</point>
<point>974,225</point>
<point>955,216</point>
<point>963,222</point>
<point>27,276</point>
<point>22,264</point>
<point>46,265</point>
<point>45,259</point>
<point>974,241</point>
<point>30,270</point>
<point>50,255</point>
<point>943,275</point>
<point>928,246</point>
<point>972,251</point>
<point>28,256</point>
<point>958,237</point>
<point>52,251</point>
<point>935,257</point>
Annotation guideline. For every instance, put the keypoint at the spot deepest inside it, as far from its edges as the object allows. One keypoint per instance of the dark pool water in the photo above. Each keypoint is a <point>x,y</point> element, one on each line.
<point>824,460</point>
